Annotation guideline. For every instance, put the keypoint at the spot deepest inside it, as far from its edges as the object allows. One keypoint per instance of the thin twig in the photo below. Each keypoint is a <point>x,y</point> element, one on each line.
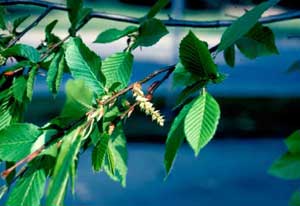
<point>169,22</point>
<point>30,26</point>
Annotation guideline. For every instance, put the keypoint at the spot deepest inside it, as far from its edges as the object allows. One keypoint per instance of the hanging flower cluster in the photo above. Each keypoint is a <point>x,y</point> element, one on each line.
<point>146,106</point>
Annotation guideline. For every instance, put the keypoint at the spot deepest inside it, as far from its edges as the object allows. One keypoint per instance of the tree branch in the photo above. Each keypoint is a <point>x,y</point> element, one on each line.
<point>30,26</point>
<point>169,22</point>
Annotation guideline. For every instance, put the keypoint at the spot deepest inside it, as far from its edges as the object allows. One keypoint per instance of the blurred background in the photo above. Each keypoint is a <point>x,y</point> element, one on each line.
<point>259,103</point>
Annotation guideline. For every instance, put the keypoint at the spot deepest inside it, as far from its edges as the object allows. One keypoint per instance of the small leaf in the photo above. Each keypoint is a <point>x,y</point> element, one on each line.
<point>76,14</point>
<point>243,24</point>
<point>55,72</point>
<point>182,77</point>
<point>99,152</point>
<point>286,167</point>
<point>18,21</point>
<point>66,158</point>
<point>30,81</point>
<point>2,18</point>
<point>160,4</point>
<point>117,68</point>
<point>293,142</point>
<point>150,32</point>
<point>111,35</point>
<point>175,137</point>
<point>51,38</point>
<point>29,188</point>
<point>259,41</point>
<point>22,50</point>
<point>196,58</point>
<point>294,67</point>
<point>184,94</point>
<point>229,56</point>
<point>16,141</point>
<point>84,64</point>
<point>201,121</point>
<point>295,199</point>
<point>116,161</point>
<point>19,88</point>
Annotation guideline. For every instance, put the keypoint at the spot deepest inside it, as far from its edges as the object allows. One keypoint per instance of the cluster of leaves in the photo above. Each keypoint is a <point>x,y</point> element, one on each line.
<point>95,107</point>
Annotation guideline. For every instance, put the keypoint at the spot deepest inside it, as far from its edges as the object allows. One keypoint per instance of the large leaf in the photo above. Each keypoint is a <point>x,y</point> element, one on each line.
<point>22,50</point>
<point>117,68</point>
<point>29,188</point>
<point>293,142</point>
<point>79,101</point>
<point>55,72</point>
<point>201,121</point>
<point>114,34</point>
<point>65,161</point>
<point>175,137</point>
<point>243,24</point>
<point>286,167</point>
<point>84,64</point>
<point>99,152</point>
<point>196,58</point>
<point>16,141</point>
<point>160,4</point>
<point>150,32</point>
<point>116,158</point>
<point>259,41</point>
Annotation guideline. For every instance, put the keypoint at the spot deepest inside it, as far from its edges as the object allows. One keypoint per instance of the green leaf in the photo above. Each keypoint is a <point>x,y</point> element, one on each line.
<point>16,141</point>
<point>150,32</point>
<point>295,66</point>
<point>84,64</point>
<point>286,167</point>
<point>51,38</point>
<point>76,14</point>
<point>79,101</point>
<point>29,188</point>
<point>99,152</point>
<point>30,81</point>
<point>55,72</point>
<point>201,121</point>
<point>295,199</point>
<point>229,56</point>
<point>243,24</point>
<point>175,138</point>
<point>66,158</point>
<point>182,77</point>
<point>117,68</point>
<point>160,4</point>
<point>111,35</point>
<point>19,88</point>
<point>293,142</point>
<point>2,18</point>
<point>22,50</point>
<point>184,94</point>
<point>196,58</point>
<point>116,158</point>
<point>259,41</point>
<point>18,21</point>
